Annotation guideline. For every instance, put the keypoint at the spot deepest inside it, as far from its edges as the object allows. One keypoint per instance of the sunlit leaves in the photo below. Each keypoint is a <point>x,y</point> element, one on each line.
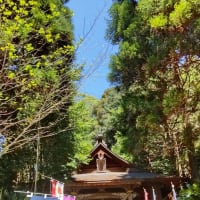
<point>170,14</point>
<point>182,13</point>
<point>34,63</point>
<point>158,21</point>
<point>83,125</point>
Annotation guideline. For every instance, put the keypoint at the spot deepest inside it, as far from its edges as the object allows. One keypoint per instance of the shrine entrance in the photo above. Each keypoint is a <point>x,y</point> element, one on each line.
<point>109,177</point>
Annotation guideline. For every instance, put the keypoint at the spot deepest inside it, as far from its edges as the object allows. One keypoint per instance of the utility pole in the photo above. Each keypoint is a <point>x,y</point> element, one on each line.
<point>37,160</point>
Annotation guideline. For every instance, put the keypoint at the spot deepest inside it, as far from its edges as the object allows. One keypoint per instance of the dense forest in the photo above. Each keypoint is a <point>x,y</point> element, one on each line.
<point>150,117</point>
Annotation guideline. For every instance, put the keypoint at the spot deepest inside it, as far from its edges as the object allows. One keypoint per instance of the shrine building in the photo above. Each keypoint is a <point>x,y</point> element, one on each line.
<point>109,177</point>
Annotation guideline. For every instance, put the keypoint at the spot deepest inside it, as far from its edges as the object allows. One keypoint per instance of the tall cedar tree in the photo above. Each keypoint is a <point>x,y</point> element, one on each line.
<point>157,71</point>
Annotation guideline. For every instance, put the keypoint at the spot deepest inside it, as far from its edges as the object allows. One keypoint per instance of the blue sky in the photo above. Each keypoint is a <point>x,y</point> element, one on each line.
<point>95,51</point>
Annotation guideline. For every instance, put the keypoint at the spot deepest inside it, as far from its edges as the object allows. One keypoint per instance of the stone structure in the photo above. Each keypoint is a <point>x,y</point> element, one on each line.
<point>109,177</point>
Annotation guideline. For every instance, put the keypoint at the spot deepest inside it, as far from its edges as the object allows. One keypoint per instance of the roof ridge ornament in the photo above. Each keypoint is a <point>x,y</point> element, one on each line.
<point>100,140</point>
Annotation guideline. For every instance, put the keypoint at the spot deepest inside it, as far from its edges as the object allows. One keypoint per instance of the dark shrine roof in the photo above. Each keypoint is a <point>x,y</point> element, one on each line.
<point>117,169</point>
<point>111,176</point>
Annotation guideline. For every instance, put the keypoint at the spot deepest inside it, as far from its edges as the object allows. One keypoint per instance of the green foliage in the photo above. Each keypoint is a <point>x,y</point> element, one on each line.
<point>191,192</point>
<point>37,75</point>
<point>37,85</point>
<point>156,72</point>
<point>117,148</point>
<point>181,13</point>
<point>158,21</point>
<point>106,112</point>
<point>121,14</point>
<point>82,124</point>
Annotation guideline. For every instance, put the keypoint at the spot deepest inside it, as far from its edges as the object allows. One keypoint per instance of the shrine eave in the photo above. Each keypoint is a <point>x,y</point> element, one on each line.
<point>135,182</point>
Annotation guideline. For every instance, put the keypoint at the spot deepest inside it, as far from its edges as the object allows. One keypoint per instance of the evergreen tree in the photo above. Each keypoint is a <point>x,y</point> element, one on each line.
<point>156,70</point>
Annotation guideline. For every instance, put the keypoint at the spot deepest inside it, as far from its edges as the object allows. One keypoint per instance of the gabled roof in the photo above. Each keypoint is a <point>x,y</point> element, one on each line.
<point>112,161</point>
<point>101,146</point>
